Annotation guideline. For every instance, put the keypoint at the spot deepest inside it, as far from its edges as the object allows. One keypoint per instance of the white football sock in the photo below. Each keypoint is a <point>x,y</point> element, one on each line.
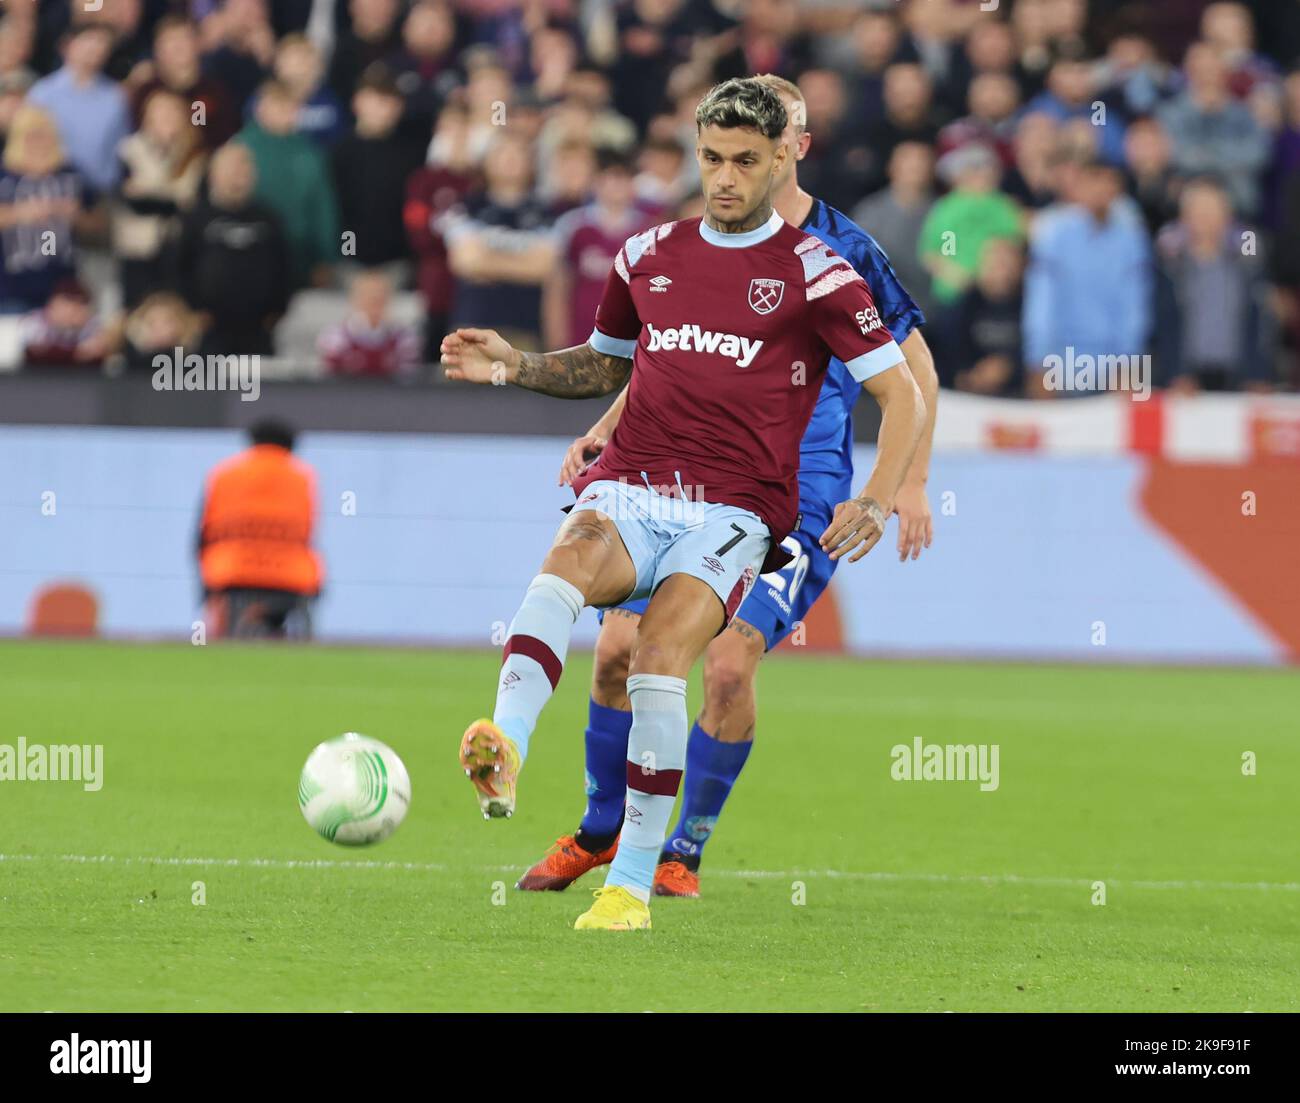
<point>656,756</point>
<point>536,646</point>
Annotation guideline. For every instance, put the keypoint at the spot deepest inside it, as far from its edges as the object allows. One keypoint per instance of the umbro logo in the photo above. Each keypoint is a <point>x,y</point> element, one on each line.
<point>713,564</point>
<point>660,283</point>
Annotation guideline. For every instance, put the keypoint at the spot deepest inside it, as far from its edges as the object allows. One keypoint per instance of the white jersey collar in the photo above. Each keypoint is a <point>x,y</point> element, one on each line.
<point>741,241</point>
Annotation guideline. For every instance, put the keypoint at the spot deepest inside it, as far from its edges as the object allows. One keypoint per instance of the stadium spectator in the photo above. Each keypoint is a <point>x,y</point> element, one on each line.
<point>501,247</point>
<point>991,48</point>
<point>583,113</point>
<point>232,260</point>
<point>1133,76</point>
<point>1230,29</point>
<point>1212,133</point>
<point>424,68</point>
<point>177,68</point>
<point>552,58</point>
<point>568,180</point>
<point>490,98</point>
<point>1215,327</point>
<point>431,192</point>
<point>959,224</point>
<point>933,31</point>
<point>1152,179</point>
<point>768,40</point>
<point>1089,281</point>
<point>298,66</point>
<point>1285,161</point>
<point>1071,96</point>
<point>1031,181</point>
<point>293,180</point>
<point>368,343</point>
<point>239,47</point>
<point>895,215</point>
<point>994,101</point>
<point>840,163</point>
<point>981,349</point>
<point>158,326</point>
<point>259,570</point>
<point>660,173</point>
<point>163,165</point>
<point>65,333</point>
<point>877,44</point>
<point>653,38</point>
<point>371,167</point>
<point>375,35</point>
<point>586,243</point>
<point>42,200</point>
<point>126,21</point>
<point>13,94</point>
<point>910,116</point>
<point>89,109</point>
<point>16,53</point>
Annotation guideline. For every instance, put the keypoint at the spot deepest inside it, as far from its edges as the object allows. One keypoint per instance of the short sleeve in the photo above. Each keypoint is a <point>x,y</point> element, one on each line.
<point>847,319</point>
<point>617,323</point>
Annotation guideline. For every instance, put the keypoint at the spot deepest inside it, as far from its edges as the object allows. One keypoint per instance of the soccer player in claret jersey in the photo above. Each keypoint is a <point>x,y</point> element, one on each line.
<point>725,326</point>
<point>723,734</point>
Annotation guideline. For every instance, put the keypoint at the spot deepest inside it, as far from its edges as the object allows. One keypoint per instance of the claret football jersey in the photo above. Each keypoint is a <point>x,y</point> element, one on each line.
<point>730,336</point>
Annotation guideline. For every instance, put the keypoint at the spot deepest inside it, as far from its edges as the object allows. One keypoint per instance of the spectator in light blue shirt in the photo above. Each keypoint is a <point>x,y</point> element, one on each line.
<point>1088,288</point>
<point>90,110</point>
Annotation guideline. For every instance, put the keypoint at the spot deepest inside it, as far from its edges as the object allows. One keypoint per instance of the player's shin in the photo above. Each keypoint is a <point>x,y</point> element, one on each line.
<point>656,754</point>
<point>535,650</point>
<point>712,769</point>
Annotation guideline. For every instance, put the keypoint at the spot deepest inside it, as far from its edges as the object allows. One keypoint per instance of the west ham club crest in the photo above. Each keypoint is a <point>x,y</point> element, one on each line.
<point>765,295</point>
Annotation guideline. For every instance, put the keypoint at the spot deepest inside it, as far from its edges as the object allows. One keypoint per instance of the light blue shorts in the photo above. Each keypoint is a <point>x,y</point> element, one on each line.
<point>719,544</point>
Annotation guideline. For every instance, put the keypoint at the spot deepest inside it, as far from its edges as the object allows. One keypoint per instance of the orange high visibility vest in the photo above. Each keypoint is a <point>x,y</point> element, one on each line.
<point>258,517</point>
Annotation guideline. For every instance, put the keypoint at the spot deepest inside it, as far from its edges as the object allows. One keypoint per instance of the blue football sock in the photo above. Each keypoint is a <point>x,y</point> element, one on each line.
<point>607,732</point>
<point>711,770</point>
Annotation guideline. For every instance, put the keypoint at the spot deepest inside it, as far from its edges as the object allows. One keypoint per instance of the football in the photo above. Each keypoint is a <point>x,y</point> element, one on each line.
<point>354,790</point>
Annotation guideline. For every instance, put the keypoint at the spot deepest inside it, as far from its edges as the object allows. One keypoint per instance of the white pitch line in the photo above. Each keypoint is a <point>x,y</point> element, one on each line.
<point>766,874</point>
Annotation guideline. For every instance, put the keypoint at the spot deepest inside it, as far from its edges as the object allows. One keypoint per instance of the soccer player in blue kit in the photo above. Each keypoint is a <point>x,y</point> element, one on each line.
<point>723,734</point>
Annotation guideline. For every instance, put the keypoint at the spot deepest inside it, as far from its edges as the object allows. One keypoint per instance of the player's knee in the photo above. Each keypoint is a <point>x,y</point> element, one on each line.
<point>656,656</point>
<point>729,688</point>
<point>579,549</point>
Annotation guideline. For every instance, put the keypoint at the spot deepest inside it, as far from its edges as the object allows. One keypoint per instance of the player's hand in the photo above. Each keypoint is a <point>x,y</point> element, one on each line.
<point>857,524</point>
<point>478,356</point>
<point>915,525</point>
<point>580,455</point>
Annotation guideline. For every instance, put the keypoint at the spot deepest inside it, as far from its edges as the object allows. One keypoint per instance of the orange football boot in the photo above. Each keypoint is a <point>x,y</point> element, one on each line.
<point>672,878</point>
<point>563,864</point>
<point>491,761</point>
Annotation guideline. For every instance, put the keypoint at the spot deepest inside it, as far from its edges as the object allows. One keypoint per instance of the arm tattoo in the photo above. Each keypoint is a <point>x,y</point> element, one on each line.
<point>578,372</point>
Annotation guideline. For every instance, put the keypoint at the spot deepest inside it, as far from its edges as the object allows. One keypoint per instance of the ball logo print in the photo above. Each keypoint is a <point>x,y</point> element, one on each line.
<point>354,790</point>
<point>765,295</point>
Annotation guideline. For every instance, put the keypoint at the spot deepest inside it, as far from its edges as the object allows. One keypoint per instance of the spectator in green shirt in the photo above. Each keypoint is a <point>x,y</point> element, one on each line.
<point>958,226</point>
<point>293,179</point>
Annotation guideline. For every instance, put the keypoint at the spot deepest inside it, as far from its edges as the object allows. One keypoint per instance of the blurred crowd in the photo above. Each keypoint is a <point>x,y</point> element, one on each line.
<point>1045,175</point>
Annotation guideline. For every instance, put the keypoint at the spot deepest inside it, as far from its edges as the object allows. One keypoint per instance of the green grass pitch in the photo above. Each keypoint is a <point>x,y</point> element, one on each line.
<point>915,895</point>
